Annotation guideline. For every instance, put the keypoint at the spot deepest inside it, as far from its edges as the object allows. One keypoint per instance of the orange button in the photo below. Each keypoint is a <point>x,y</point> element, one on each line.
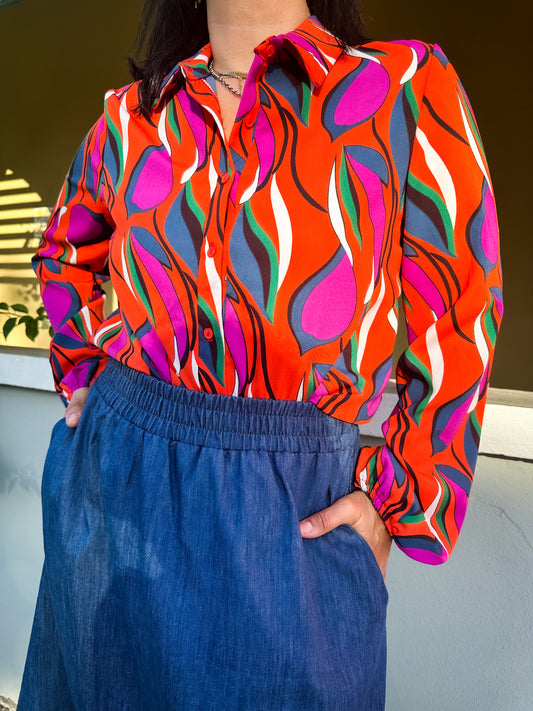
<point>212,249</point>
<point>225,177</point>
<point>208,334</point>
<point>249,121</point>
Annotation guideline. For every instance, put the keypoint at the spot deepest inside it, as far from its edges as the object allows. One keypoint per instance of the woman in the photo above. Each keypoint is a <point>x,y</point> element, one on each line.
<point>214,536</point>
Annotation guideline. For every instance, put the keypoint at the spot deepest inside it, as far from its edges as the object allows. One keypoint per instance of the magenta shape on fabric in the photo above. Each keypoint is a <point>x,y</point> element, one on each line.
<point>49,235</point>
<point>460,500</point>
<point>423,556</point>
<point>77,376</point>
<point>387,477</point>
<point>375,402</point>
<point>364,96</point>
<point>419,48</point>
<point>154,182</point>
<point>320,392</point>
<point>234,188</point>
<point>82,226</point>
<point>196,122</point>
<point>163,285</point>
<point>329,308</point>
<point>96,155</point>
<point>67,330</point>
<point>373,405</point>
<point>421,282</point>
<point>117,345</point>
<point>489,231</point>
<point>266,145</point>
<point>299,41</point>
<point>454,422</point>
<point>249,90</point>
<point>156,353</point>
<point>235,340</point>
<point>58,299</point>
<point>484,378</point>
<point>499,304</point>
<point>376,206</point>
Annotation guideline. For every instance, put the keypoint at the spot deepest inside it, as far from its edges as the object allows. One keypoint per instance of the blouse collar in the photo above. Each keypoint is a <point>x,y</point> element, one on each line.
<point>315,47</point>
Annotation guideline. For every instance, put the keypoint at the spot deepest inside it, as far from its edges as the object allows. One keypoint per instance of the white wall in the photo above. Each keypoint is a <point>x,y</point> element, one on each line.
<point>460,635</point>
<point>26,419</point>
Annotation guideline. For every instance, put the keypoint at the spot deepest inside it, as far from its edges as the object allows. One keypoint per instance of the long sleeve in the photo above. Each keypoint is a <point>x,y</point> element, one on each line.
<point>71,265</point>
<point>419,481</point>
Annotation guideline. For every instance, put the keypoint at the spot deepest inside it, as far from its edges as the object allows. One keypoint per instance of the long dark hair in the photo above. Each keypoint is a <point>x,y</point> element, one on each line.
<point>172,30</point>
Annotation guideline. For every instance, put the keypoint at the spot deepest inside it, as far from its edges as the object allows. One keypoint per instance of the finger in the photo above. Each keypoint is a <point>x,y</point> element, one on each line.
<point>342,511</point>
<point>75,407</point>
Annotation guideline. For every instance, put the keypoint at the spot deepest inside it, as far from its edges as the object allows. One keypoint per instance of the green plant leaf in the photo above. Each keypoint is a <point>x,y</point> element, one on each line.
<point>9,325</point>
<point>21,308</point>
<point>51,332</point>
<point>25,319</point>
<point>3,306</point>
<point>41,311</point>
<point>32,329</point>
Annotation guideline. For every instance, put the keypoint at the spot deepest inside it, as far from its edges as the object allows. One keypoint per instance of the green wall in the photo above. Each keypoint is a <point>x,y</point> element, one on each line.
<point>58,57</point>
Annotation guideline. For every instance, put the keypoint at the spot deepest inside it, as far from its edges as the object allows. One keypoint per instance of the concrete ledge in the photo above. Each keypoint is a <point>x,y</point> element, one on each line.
<point>25,368</point>
<point>507,426</point>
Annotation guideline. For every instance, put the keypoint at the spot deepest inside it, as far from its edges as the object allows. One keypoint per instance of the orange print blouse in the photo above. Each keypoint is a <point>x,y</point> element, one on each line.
<point>272,265</point>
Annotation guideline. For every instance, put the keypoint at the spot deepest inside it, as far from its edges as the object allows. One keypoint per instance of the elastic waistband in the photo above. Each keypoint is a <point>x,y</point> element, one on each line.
<point>221,421</point>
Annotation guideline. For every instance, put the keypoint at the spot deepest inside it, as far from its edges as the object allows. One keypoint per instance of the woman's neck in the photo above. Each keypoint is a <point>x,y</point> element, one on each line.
<point>236,27</point>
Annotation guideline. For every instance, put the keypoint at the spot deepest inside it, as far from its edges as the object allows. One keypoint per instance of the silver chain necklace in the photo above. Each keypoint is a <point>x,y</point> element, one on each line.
<point>241,76</point>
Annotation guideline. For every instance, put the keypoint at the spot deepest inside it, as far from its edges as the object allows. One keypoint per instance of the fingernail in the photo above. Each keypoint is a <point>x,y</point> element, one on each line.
<point>306,527</point>
<point>71,419</point>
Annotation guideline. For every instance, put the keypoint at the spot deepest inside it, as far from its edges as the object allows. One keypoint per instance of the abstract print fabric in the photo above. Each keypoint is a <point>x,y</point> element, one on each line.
<point>271,264</point>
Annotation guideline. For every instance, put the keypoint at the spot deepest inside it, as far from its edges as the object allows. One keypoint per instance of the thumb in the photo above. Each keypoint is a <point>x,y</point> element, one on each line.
<point>75,406</point>
<point>342,511</point>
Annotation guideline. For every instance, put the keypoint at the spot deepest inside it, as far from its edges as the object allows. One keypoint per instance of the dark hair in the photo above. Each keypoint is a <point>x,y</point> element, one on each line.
<point>172,30</point>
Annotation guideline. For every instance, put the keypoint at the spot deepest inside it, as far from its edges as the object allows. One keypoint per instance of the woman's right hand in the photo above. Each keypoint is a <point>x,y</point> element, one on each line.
<point>75,406</point>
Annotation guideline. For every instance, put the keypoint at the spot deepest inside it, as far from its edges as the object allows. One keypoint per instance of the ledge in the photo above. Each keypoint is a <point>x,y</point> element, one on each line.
<point>507,425</point>
<point>26,368</point>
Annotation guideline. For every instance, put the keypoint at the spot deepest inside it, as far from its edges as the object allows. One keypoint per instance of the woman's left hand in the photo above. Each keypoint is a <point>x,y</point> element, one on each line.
<point>357,511</point>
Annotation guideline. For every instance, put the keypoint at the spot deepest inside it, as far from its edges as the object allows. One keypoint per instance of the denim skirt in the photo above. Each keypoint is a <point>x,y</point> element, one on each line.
<point>175,577</point>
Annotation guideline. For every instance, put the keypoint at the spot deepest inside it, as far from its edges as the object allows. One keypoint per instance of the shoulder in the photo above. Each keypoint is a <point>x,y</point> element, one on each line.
<point>122,101</point>
<point>403,60</point>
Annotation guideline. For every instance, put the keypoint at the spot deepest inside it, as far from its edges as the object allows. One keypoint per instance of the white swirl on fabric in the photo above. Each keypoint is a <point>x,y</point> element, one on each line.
<point>247,194</point>
<point>436,359</point>
<point>213,177</point>
<point>215,285</point>
<point>87,319</point>
<point>428,513</point>
<point>335,213</point>
<point>440,172</point>
<point>162,132</point>
<point>284,228</point>
<point>473,143</point>
<point>409,74</point>
<point>189,172</point>
<point>353,52</point>
<point>124,123</point>
<point>176,362</point>
<point>368,321</point>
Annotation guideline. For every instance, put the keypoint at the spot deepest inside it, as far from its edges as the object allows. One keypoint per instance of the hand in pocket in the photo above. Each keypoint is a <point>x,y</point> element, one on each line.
<point>75,406</point>
<point>357,511</point>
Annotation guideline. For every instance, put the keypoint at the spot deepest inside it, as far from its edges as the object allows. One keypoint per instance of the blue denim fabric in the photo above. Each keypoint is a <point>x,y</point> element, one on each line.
<point>175,576</point>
